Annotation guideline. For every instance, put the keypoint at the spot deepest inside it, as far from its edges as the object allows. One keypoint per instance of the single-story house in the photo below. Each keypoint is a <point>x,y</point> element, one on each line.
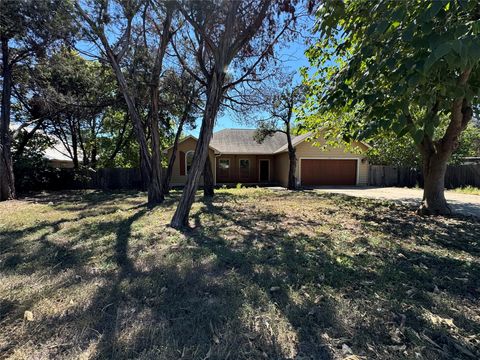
<point>236,157</point>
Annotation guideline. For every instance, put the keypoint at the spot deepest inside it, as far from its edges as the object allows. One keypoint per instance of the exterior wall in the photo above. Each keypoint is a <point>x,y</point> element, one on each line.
<point>234,176</point>
<point>278,163</point>
<point>281,169</point>
<point>307,150</point>
<point>185,146</point>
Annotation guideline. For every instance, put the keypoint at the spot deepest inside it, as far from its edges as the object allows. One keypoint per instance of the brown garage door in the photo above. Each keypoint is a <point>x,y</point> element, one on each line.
<point>328,172</point>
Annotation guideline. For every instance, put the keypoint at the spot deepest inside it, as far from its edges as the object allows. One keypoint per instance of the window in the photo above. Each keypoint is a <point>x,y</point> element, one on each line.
<point>244,168</point>
<point>224,164</point>
<point>188,160</point>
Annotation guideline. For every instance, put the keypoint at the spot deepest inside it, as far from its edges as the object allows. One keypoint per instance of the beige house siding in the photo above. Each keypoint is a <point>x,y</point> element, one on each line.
<point>185,146</point>
<point>281,169</point>
<point>279,163</point>
<point>308,150</point>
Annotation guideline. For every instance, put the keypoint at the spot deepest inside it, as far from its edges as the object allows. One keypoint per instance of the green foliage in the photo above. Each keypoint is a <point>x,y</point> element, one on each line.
<point>388,149</point>
<point>391,60</point>
<point>33,25</point>
<point>281,107</point>
<point>79,102</point>
<point>30,167</point>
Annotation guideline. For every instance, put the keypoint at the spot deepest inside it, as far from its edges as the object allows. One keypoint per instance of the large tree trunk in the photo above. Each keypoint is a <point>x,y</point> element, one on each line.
<point>94,155</point>
<point>434,202</point>
<point>292,181</point>
<point>208,181</point>
<point>214,96</point>
<point>7,181</point>
<point>155,187</point>
<point>435,155</point>
<point>145,161</point>
<point>74,145</point>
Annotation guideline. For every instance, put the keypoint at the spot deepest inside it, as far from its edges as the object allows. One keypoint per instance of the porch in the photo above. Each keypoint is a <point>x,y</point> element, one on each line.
<point>249,169</point>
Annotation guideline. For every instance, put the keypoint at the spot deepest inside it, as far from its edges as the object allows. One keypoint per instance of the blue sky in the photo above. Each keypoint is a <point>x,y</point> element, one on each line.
<point>293,58</point>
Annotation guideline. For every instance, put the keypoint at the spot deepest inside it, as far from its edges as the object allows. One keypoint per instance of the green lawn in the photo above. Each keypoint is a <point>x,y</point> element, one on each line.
<point>470,190</point>
<point>260,274</point>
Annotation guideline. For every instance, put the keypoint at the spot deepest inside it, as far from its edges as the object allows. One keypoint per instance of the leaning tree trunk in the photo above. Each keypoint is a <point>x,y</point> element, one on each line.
<point>7,180</point>
<point>208,181</point>
<point>434,169</point>
<point>145,166</point>
<point>155,187</point>
<point>214,96</point>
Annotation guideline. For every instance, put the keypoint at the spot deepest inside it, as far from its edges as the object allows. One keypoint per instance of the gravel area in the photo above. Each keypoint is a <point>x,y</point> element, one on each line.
<point>461,203</point>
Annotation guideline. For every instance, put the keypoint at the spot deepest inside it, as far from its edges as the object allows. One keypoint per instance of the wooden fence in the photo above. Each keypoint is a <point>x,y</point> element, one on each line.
<point>456,176</point>
<point>106,179</point>
<point>118,178</point>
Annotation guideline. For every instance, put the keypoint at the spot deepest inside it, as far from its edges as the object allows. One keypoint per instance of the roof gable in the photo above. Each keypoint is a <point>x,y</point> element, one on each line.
<point>241,141</point>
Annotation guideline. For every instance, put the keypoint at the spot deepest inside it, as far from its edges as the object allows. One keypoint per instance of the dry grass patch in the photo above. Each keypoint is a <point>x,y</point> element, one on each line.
<point>260,274</point>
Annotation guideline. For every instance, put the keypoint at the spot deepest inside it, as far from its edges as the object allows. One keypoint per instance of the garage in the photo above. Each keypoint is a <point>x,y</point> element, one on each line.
<point>320,172</point>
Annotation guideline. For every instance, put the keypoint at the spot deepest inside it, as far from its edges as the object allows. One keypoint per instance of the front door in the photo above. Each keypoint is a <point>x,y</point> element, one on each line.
<point>264,170</point>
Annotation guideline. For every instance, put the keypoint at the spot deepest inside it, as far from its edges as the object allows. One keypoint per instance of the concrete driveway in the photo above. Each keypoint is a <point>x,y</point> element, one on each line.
<point>461,203</point>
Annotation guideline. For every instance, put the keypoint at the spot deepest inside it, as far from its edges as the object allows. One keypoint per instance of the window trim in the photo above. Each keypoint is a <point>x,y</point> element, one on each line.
<point>186,161</point>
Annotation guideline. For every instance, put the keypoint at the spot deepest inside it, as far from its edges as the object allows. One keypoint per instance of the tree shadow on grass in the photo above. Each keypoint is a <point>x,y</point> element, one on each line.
<point>19,258</point>
<point>406,282</point>
<point>183,307</point>
<point>242,285</point>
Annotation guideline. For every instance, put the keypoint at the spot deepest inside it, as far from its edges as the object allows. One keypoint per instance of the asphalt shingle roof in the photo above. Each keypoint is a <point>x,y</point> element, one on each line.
<point>241,141</point>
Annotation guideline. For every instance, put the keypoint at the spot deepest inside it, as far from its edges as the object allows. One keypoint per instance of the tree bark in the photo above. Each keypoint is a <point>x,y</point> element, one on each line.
<point>7,180</point>
<point>145,165</point>
<point>435,155</point>
<point>292,181</point>
<point>214,96</point>
<point>155,187</point>
<point>434,169</point>
<point>208,181</point>
<point>73,133</point>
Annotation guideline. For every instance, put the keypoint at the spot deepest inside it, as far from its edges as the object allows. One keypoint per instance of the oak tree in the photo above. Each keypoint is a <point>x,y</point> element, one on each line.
<point>400,66</point>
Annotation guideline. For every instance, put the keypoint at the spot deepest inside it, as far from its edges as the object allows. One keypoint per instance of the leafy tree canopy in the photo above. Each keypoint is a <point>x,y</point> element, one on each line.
<point>394,59</point>
<point>387,150</point>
